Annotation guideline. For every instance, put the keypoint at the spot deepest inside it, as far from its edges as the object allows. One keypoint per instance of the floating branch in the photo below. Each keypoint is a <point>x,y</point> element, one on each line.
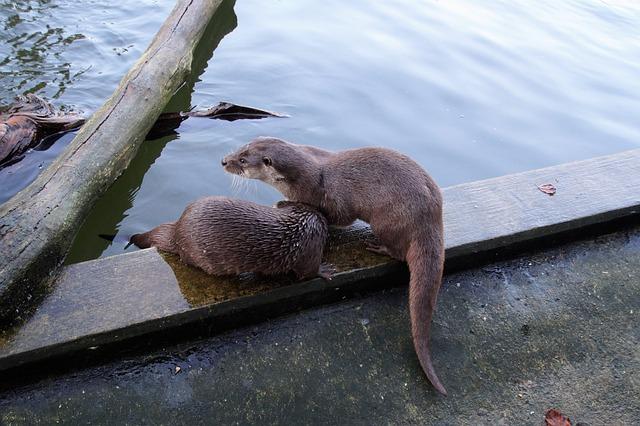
<point>169,121</point>
<point>25,123</point>
<point>31,119</point>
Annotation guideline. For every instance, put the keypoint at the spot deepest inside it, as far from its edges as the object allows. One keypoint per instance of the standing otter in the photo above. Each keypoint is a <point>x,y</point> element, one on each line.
<point>224,236</point>
<point>384,188</point>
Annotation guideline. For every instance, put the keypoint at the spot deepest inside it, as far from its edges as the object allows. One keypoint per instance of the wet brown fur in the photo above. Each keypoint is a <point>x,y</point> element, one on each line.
<point>225,236</point>
<point>388,190</point>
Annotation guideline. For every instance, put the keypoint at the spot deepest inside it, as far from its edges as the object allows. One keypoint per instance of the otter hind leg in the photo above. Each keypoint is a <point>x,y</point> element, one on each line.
<point>383,250</point>
<point>309,271</point>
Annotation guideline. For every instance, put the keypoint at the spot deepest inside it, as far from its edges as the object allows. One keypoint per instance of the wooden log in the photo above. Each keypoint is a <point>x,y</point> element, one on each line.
<point>37,226</point>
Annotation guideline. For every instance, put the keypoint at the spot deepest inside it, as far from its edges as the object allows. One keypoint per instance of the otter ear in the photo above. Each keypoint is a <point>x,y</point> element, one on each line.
<point>266,161</point>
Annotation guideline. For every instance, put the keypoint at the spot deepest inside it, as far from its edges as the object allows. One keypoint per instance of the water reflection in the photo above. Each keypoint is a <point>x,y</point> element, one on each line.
<point>200,289</point>
<point>471,90</point>
<point>18,175</point>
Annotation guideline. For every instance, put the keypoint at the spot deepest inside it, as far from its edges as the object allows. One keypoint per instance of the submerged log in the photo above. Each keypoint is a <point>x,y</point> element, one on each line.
<point>37,225</point>
<point>169,121</point>
<point>24,124</point>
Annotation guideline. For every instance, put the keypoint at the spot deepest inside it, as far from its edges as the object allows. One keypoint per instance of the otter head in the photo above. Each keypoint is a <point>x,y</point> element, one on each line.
<point>270,160</point>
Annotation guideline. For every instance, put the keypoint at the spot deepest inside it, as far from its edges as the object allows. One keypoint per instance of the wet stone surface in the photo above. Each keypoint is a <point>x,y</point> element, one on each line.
<point>555,329</point>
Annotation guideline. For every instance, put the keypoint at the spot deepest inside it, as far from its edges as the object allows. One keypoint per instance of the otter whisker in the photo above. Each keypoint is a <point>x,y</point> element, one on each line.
<point>244,185</point>
<point>238,184</point>
<point>235,184</point>
<point>252,186</point>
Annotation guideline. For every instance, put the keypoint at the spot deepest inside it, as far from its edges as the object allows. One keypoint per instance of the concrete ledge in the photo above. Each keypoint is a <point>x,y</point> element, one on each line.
<point>551,329</point>
<point>121,298</point>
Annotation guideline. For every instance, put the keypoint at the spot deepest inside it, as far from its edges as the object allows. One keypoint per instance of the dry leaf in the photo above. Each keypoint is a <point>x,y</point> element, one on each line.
<point>547,188</point>
<point>554,417</point>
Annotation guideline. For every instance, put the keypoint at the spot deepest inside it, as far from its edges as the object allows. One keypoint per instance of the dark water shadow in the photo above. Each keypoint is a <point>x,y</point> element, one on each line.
<point>110,209</point>
<point>17,176</point>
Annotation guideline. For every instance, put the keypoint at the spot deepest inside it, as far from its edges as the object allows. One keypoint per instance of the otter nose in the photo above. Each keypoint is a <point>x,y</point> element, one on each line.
<point>224,162</point>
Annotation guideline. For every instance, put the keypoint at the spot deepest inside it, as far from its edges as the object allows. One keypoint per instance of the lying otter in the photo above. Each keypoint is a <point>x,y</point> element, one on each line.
<point>388,190</point>
<point>224,236</point>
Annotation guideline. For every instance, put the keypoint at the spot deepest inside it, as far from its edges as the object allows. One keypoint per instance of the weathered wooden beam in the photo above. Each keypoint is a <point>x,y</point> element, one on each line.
<point>124,297</point>
<point>37,226</point>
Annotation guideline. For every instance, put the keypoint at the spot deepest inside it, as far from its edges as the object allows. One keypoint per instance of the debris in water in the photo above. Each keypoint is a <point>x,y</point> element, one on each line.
<point>108,237</point>
<point>231,112</point>
<point>178,369</point>
<point>547,188</point>
<point>30,120</point>
<point>169,121</point>
<point>25,123</point>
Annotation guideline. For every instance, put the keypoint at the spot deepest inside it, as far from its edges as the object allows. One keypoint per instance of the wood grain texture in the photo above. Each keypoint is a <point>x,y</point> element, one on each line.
<point>494,213</point>
<point>127,296</point>
<point>38,224</point>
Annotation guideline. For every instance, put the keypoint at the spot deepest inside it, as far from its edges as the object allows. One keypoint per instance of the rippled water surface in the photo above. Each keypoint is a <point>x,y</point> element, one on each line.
<point>73,53</point>
<point>469,89</point>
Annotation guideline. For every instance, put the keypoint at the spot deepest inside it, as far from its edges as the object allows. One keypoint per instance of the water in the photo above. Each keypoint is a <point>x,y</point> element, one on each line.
<point>469,89</point>
<point>73,53</point>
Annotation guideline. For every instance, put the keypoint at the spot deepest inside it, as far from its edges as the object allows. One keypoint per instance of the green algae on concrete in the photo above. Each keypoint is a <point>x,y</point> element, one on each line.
<point>555,329</point>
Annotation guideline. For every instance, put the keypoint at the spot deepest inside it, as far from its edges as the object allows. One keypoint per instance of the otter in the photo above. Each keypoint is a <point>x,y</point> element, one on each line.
<point>388,190</point>
<point>225,236</point>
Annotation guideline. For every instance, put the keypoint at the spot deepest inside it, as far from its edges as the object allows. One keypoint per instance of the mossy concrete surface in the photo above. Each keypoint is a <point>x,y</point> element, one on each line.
<point>555,329</point>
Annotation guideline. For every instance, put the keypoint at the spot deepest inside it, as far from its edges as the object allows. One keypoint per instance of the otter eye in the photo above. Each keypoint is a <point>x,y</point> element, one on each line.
<point>242,161</point>
<point>266,161</point>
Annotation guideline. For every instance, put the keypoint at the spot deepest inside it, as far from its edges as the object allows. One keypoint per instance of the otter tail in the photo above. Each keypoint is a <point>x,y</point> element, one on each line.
<point>425,258</point>
<point>161,237</point>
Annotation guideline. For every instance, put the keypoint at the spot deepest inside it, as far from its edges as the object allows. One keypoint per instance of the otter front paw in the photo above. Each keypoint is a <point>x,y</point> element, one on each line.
<point>326,271</point>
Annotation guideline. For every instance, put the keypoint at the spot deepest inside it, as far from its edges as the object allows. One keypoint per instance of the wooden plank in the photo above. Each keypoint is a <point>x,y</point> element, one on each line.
<point>498,212</point>
<point>38,224</point>
<point>131,295</point>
